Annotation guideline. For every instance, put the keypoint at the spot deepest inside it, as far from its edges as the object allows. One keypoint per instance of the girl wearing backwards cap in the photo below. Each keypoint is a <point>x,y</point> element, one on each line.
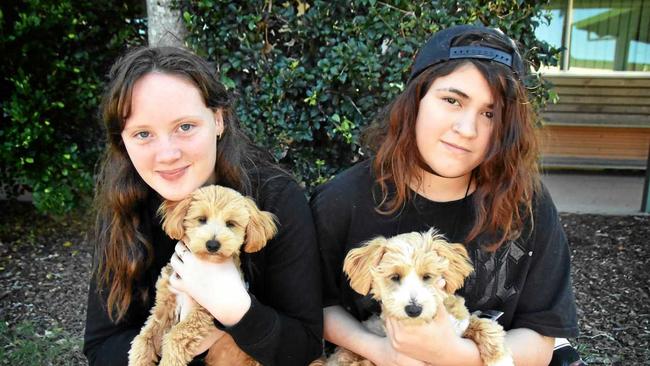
<point>456,150</point>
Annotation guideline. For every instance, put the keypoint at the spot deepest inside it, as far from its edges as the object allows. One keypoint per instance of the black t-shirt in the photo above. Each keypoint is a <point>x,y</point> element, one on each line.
<point>283,325</point>
<point>528,278</point>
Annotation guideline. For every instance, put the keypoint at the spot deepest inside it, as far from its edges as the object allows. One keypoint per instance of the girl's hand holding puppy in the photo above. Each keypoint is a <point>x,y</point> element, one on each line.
<point>435,342</point>
<point>389,356</point>
<point>403,344</point>
<point>440,335</point>
<point>217,287</point>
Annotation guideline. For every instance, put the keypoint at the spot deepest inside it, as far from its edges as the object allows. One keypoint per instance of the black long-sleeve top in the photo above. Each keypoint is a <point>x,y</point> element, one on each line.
<point>284,323</point>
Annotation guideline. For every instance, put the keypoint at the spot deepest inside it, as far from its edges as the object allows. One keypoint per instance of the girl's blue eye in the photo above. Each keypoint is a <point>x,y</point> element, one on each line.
<point>142,135</point>
<point>186,127</point>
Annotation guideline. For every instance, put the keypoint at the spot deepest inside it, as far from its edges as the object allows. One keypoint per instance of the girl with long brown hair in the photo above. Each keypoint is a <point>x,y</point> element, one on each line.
<point>171,129</point>
<point>456,150</point>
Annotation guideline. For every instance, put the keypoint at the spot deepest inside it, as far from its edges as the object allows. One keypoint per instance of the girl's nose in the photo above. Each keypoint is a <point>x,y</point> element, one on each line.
<point>168,152</point>
<point>466,125</point>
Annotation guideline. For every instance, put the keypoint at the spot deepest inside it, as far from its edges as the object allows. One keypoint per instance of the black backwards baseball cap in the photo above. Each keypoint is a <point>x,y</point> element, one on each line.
<point>438,49</point>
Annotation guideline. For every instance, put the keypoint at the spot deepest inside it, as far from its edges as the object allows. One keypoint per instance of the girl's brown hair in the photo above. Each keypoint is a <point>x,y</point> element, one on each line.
<point>122,251</point>
<point>508,177</point>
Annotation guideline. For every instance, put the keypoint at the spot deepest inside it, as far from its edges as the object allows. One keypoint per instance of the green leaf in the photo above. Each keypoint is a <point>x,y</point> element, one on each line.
<point>228,82</point>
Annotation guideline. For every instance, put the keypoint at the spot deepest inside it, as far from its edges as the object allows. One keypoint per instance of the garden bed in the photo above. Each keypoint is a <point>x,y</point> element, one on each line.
<point>45,266</point>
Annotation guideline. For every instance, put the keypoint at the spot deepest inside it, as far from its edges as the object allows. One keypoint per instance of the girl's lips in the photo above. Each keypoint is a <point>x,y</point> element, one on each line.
<point>172,174</point>
<point>455,147</point>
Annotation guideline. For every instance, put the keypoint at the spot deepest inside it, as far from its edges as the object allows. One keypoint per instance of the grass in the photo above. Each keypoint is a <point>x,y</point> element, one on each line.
<point>23,345</point>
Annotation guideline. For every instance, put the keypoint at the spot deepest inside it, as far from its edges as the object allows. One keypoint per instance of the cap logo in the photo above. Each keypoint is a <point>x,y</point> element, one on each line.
<point>481,52</point>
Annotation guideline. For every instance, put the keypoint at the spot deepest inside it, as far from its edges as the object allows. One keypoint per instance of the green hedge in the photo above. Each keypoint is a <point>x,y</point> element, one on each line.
<point>54,57</point>
<point>311,74</point>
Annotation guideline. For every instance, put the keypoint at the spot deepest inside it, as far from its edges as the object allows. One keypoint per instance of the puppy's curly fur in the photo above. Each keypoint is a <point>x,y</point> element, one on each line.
<point>214,222</point>
<point>406,274</point>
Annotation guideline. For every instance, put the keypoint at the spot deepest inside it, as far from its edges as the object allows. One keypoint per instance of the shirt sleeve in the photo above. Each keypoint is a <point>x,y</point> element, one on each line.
<point>105,342</point>
<point>331,218</point>
<point>285,328</point>
<point>547,303</point>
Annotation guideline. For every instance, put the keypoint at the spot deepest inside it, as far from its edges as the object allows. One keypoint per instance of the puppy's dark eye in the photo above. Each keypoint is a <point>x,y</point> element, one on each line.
<point>426,277</point>
<point>231,224</point>
<point>202,219</point>
<point>395,278</point>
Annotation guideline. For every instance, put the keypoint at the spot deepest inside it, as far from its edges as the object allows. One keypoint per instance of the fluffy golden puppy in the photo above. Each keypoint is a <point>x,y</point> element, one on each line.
<point>214,223</point>
<point>412,275</point>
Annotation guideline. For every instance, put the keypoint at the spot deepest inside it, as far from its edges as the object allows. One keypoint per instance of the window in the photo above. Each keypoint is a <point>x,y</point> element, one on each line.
<point>600,35</point>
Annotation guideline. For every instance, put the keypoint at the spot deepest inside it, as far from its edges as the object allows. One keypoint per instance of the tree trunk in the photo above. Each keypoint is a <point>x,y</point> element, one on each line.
<point>166,27</point>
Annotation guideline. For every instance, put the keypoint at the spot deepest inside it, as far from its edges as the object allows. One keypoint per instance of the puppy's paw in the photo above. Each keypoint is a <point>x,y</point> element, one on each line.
<point>489,336</point>
<point>142,352</point>
<point>173,351</point>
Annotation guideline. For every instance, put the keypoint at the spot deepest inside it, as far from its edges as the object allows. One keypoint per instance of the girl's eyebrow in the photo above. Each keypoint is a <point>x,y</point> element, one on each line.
<point>455,91</point>
<point>461,94</point>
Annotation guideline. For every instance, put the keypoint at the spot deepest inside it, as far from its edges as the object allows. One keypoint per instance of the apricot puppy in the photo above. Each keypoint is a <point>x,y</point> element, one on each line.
<point>215,223</point>
<point>413,275</point>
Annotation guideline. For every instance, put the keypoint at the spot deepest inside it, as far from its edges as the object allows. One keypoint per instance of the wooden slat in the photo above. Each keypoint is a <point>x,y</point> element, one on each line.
<point>604,100</point>
<point>598,122</point>
<point>597,119</point>
<point>595,142</point>
<point>551,162</point>
<point>598,108</point>
<point>614,91</point>
<point>595,81</point>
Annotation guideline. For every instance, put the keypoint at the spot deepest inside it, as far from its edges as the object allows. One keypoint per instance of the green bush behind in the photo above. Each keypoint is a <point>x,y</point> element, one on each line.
<point>311,74</point>
<point>55,54</point>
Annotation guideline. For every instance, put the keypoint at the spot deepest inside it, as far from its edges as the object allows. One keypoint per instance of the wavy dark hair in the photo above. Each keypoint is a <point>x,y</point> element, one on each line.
<point>508,177</point>
<point>122,251</point>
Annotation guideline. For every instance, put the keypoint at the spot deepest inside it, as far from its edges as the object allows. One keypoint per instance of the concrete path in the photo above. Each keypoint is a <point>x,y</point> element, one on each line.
<point>610,194</point>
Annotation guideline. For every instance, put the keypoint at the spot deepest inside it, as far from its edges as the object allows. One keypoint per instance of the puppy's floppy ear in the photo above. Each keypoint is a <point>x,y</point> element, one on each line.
<point>459,265</point>
<point>173,213</point>
<point>261,227</point>
<point>359,261</point>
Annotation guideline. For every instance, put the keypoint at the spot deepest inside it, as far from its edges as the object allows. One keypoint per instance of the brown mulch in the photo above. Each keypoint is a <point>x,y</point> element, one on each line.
<point>611,278</point>
<point>45,265</point>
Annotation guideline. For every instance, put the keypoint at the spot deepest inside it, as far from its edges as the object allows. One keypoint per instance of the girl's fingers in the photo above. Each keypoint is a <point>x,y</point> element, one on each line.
<point>390,327</point>
<point>441,314</point>
<point>175,282</point>
<point>177,263</point>
<point>181,250</point>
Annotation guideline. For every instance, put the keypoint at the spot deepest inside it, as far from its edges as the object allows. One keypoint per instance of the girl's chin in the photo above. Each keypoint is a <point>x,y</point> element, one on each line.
<point>174,194</point>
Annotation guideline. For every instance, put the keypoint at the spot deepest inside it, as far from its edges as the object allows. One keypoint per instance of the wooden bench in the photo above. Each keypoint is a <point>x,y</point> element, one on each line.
<point>599,122</point>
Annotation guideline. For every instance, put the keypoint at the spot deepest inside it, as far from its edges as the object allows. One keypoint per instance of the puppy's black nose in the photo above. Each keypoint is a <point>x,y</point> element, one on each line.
<point>413,310</point>
<point>212,245</point>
